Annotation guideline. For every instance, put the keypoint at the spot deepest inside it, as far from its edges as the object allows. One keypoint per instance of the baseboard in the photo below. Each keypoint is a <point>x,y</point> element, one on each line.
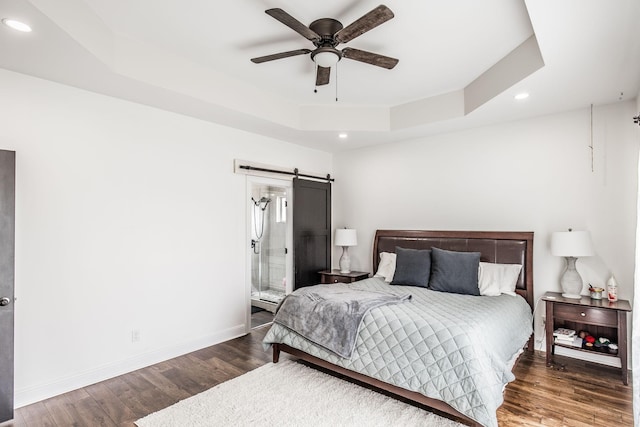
<point>36,393</point>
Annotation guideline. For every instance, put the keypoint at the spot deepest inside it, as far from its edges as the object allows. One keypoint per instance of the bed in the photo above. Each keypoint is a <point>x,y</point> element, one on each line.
<point>436,349</point>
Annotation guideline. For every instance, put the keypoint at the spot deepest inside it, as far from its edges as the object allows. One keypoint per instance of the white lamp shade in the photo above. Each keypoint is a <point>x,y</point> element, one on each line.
<point>571,243</point>
<point>346,237</point>
<point>326,59</point>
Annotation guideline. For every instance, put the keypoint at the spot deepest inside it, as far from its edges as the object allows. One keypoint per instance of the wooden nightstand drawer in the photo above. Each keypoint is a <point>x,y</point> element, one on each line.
<point>334,276</point>
<point>339,279</point>
<point>593,316</point>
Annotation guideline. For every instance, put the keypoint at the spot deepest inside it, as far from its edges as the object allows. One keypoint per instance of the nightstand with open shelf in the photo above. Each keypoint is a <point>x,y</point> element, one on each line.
<point>600,317</point>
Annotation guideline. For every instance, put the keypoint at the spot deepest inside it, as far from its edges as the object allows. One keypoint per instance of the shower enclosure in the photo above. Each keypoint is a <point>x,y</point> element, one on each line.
<point>269,224</point>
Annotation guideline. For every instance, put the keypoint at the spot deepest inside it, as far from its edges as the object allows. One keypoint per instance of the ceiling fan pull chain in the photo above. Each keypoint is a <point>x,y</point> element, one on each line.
<point>336,70</point>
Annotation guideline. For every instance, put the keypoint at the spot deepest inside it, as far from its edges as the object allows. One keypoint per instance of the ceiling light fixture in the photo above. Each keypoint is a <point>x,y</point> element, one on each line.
<point>342,135</point>
<point>16,25</point>
<point>521,96</point>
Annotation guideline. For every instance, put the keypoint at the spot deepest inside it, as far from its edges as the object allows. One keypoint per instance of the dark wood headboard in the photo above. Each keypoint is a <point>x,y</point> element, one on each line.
<point>503,247</point>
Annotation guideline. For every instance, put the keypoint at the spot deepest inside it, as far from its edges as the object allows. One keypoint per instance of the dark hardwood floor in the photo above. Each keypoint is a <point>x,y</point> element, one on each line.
<point>573,393</point>
<point>261,318</point>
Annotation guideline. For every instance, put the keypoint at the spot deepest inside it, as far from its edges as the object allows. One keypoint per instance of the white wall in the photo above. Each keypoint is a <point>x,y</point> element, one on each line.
<point>530,175</point>
<point>127,217</point>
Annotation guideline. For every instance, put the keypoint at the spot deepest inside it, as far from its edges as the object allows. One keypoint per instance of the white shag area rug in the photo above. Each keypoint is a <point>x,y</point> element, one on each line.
<point>290,394</point>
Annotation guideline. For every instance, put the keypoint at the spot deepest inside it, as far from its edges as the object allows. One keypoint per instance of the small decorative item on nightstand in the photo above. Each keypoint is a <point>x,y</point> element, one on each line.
<point>612,289</point>
<point>596,293</point>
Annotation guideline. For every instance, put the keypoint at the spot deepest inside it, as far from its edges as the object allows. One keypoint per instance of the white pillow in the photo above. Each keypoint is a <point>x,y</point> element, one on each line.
<point>496,279</point>
<point>386,266</point>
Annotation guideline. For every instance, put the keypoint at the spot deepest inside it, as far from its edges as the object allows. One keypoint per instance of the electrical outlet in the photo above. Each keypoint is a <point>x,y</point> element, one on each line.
<point>135,335</point>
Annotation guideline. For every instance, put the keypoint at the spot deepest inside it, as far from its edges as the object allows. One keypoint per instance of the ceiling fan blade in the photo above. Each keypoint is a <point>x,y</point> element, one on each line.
<point>293,23</point>
<point>369,21</point>
<point>280,55</point>
<point>369,58</point>
<point>322,76</point>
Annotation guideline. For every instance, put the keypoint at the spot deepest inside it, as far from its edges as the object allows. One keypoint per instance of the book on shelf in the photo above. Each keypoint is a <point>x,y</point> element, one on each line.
<point>574,341</point>
<point>564,333</point>
<point>577,342</point>
<point>564,339</point>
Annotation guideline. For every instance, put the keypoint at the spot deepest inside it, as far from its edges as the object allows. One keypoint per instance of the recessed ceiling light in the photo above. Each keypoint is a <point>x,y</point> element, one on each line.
<point>521,96</point>
<point>343,135</point>
<point>16,25</point>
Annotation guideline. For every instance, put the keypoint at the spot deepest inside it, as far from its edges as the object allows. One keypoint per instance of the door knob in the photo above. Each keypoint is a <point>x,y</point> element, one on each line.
<point>4,301</point>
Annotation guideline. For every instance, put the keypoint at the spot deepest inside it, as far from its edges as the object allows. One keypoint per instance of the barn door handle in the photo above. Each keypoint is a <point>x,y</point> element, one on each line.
<point>4,301</point>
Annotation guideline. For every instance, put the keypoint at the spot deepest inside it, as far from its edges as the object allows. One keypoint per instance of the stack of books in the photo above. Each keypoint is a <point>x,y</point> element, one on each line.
<point>567,337</point>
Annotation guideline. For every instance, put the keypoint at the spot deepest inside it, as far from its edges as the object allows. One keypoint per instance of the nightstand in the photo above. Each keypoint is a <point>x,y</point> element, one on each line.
<point>600,317</point>
<point>334,276</point>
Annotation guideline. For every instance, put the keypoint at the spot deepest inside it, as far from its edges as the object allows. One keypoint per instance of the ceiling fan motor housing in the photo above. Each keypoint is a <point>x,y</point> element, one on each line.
<point>326,28</point>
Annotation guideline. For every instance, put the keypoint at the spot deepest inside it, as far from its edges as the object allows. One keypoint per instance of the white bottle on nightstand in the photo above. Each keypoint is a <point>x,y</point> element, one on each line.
<point>612,289</point>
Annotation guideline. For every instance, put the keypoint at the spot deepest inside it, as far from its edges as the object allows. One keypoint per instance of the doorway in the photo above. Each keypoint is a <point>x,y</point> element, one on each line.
<point>270,240</point>
<point>7,251</point>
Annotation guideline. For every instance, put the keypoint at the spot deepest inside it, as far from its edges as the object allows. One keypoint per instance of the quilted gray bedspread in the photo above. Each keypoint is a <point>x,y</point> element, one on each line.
<point>331,315</point>
<point>450,347</point>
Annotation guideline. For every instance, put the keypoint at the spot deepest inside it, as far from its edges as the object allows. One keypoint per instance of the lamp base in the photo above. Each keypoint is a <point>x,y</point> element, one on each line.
<point>570,281</point>
<point>572,296</point>
<point>345,261</point>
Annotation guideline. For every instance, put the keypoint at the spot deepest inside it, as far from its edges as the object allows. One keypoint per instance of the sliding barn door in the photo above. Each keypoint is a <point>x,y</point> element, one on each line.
<point>7,232</point>
<point>311,230</point>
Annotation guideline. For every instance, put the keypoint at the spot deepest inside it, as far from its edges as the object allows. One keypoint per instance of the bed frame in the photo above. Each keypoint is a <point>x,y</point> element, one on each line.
<point>494,246</point>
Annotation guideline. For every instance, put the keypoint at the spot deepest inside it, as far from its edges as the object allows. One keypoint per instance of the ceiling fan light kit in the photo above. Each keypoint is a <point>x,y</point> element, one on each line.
<point>326,58</point>
<point>326,34</point>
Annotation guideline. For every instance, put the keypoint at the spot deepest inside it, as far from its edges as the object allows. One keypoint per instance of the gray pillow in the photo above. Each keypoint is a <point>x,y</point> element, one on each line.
<point>455,272</point>
<point>412,267</point>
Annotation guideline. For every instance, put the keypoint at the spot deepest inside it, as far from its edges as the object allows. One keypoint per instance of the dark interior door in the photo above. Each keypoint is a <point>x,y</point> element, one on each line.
<point>311,230</point>
<point>7,233</point>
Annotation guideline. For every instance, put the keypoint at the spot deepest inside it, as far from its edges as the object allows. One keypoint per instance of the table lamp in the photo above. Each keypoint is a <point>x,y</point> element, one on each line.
<point>345,237</point>
<point>571,245</point>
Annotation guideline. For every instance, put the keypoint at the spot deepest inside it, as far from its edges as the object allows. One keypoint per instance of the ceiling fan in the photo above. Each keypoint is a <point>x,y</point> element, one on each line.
<point>326,34</point>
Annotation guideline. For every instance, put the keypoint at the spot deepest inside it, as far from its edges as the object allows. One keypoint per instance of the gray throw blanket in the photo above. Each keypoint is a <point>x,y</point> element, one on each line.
<point>330,315</point>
